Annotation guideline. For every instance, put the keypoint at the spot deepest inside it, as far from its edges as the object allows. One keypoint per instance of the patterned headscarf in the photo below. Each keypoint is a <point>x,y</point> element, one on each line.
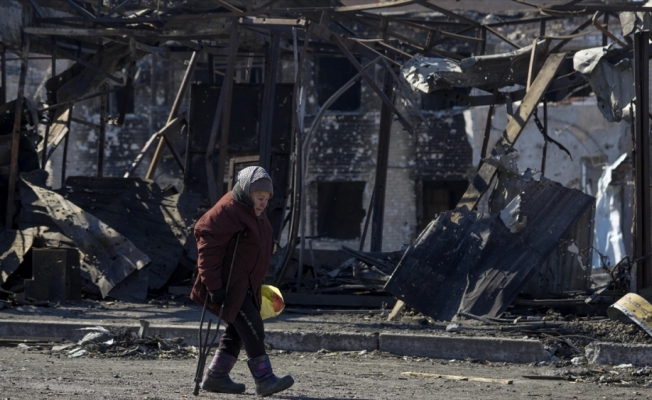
<point>245,178</point>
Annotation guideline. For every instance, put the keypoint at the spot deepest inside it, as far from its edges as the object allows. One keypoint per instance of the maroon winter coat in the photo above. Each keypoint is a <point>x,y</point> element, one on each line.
<point>215,234</point>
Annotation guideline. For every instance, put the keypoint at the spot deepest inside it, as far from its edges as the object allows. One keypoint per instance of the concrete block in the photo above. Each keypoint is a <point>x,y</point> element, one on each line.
<point>314,341</point>
<point>614,353</point>
<point>445,347</point>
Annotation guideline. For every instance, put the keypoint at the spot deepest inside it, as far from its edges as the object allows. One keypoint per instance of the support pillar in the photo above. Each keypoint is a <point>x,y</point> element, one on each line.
<point>269,94</point>
<point>3,77</point>
<point>102,136</point>
<point>382,158</point>
<point>642,243</point>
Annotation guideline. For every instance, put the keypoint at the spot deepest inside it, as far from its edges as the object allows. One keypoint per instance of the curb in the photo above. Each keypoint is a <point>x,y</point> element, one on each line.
<point>442,347</point>
<point>315,341</point>
<point>483,348</point>
<point>278,339</point>
<point>613,353</point>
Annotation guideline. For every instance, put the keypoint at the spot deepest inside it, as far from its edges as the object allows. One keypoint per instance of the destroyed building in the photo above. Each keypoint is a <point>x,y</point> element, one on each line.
<point>375,119</point>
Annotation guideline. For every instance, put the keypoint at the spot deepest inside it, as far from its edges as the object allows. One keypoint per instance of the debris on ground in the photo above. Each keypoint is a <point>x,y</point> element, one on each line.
<point>103,343</point>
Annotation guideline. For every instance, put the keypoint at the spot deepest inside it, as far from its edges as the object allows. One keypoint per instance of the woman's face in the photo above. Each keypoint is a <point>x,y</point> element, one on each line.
<point>260,199</point>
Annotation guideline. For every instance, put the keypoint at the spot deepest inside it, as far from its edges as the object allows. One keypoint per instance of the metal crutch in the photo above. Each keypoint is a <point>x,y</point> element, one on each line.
<point>205,348</point>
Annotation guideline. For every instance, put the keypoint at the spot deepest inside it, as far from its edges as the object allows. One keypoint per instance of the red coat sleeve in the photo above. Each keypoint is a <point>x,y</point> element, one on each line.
<point>213,232</point>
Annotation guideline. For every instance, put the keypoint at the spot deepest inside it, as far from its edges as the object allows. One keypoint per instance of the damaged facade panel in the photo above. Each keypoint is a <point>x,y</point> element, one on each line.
<point>471,262</point>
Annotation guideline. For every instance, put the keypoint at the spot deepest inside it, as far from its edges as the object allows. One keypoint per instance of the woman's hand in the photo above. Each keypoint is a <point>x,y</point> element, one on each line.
<point>217,296</point>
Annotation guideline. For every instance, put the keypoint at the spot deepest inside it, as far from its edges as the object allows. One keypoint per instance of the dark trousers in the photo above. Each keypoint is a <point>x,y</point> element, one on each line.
<point>247,330</point>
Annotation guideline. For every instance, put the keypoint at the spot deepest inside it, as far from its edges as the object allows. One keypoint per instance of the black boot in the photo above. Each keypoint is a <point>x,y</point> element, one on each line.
<point>266,382</point>
<point>216,379</point>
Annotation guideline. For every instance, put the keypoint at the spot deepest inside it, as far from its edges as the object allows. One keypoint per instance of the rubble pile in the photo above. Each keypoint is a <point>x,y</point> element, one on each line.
<point>103,343</point>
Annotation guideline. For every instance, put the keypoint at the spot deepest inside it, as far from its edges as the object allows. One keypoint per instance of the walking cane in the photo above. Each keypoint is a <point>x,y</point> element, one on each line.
<point>205,348</point>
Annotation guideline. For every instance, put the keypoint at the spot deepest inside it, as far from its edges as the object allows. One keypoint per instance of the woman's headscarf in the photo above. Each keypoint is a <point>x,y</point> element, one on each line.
<point>249,175</point>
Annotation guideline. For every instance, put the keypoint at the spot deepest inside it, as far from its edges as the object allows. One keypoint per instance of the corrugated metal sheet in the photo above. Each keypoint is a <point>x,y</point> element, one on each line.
<point>471,262</point>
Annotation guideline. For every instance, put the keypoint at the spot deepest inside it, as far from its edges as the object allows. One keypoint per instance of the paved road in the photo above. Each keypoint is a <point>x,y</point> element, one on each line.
<point>39,374</point>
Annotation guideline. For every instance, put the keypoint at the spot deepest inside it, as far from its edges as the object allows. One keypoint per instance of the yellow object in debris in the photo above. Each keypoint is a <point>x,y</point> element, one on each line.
<point>273,302</point>
<point>635,308</point>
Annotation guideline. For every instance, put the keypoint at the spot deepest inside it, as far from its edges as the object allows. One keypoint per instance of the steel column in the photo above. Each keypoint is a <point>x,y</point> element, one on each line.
<point>46,134</point>
<point>222,112</point>
<point>269,94</point>
<point>102,136</point>
<point>382,158</point>
<point>3,72</point>
<point>64,158</point>
<point>642,244</point>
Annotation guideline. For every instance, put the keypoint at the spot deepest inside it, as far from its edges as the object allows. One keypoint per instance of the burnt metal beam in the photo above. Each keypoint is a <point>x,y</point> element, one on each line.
<point>15,139</point>
<point>3,75</point>
<point>297,195</point>
<point>591,8</point>
<point>447,12</point>
<point>336,39</point>
<point>102,134</point>
<point>513,130</point>
<point>64,158</point>
<point>382,158</point>
<point>171,126</point>
<point>642,214</point>
<point>577,30</point>
<point>375,6</point>
<point>81,10</point>
<point>223,115</point>
<point>89,65</point>
<point>185,83</point>
<point>62,131</point>
<point>68,103</point>
<point>126,93</point>
<point>269,95</point>
<point>271,23</point>
<point>48,126</point>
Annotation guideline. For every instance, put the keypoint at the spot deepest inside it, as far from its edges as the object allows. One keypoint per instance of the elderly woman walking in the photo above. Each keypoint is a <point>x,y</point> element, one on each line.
<point>237,217</point>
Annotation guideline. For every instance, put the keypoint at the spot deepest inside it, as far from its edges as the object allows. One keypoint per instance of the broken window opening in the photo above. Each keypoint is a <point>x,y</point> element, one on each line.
<point>339,209</point>
<point>439,196</point>
<point>332,74</point>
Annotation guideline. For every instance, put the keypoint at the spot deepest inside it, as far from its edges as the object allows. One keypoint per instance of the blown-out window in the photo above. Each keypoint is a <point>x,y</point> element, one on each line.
<point>339,209</point>
<point>332,74</point>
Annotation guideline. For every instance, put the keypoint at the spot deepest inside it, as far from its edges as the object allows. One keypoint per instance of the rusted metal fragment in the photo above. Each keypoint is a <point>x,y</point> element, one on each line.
<point>13,247</point>
<point>470,262</point>
<point>110,256</point>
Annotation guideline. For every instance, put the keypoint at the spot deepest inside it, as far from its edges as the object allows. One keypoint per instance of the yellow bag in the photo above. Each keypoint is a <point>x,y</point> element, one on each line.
<point>273,302</point>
